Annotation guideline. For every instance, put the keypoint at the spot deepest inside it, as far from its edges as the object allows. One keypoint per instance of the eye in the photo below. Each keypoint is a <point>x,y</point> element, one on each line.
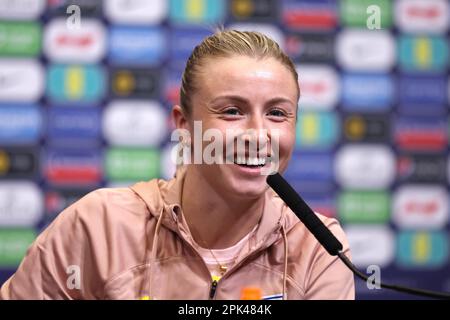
<point>232,111</point>
<point>277,113</point>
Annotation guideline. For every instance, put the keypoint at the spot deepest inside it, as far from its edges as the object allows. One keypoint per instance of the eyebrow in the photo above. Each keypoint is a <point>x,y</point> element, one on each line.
<point>247,101</point>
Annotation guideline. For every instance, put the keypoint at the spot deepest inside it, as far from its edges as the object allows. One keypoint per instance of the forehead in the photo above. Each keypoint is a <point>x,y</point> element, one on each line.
<point>245,75</point>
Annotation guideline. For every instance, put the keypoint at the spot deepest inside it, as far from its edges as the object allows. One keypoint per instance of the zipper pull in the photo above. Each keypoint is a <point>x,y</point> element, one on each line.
<point>212,291</point>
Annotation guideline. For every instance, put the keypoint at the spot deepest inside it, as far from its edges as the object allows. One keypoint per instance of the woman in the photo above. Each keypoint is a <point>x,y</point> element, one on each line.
<point>215,228</point>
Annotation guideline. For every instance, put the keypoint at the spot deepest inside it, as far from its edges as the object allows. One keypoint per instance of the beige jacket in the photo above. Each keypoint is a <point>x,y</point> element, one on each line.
<point>128,243</point>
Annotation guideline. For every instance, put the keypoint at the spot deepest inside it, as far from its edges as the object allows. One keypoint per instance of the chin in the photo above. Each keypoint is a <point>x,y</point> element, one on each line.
<point>249,189</point>
<point>228,181</point>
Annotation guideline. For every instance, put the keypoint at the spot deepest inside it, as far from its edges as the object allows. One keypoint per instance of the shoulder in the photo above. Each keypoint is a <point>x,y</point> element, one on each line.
<point>110,203</point>
<point>98,214</point>
<point>322,275</point>
<point>308,243</point>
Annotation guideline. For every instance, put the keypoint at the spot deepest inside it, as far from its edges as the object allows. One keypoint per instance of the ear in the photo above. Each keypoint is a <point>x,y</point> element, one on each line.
<point>179,117</point>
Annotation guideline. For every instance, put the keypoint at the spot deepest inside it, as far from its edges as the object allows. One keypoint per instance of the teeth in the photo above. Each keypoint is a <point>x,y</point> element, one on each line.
<point>251,161</point>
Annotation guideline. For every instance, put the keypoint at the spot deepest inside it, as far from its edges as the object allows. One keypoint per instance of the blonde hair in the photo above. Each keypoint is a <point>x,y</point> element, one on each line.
<point>228,43</point>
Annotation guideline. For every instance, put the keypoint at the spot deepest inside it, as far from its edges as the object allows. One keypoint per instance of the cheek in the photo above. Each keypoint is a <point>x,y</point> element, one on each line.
<point>215,124</point>
<point>287,145</point>
<point>287,140</point>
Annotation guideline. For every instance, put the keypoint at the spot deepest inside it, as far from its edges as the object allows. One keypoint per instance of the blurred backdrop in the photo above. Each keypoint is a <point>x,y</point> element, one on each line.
<point>85,104</point>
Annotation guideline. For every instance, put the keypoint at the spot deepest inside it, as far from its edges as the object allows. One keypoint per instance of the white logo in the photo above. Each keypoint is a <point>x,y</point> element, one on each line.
<point>269,30</point>
<point>84,44</point>
<point>136,11</point>
<point>420,206</point>
<point>360,50</point>
<point>415,16</point>
<point>370,245</point>
<point>21,204</point>
<point>365,166</point>
<point>21,9</point>
<point>134,123</point>
<point>319,87</point>
<point>21,80</point>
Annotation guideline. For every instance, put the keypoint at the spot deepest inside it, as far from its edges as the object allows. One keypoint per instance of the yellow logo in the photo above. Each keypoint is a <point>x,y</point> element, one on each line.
<point>74,85</point>
<point>124,83</point>
<point>242,8</point>
<point>4,162</point>
<point>354,127</point>
<point>422,247</point>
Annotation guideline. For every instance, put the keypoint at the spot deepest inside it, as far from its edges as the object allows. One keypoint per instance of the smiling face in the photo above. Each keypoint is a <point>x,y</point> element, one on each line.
<point>241,93</point>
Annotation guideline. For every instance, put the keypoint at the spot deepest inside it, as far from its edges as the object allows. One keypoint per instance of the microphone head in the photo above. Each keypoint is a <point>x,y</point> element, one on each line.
<point>274,179</point>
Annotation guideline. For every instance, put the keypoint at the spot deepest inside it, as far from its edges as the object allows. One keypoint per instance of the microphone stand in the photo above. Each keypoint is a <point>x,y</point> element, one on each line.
<point>327,239</point>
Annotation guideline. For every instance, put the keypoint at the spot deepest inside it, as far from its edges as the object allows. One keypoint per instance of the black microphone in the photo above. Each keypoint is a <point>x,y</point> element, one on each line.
<point>305,214</point>
<point>331,244</point>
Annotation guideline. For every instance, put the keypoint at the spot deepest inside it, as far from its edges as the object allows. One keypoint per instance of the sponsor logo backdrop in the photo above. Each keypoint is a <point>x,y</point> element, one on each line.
<point>89,107</point>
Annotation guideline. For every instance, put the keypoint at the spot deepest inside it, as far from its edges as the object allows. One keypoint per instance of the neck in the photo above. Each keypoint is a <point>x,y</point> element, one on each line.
<point>217,220</point>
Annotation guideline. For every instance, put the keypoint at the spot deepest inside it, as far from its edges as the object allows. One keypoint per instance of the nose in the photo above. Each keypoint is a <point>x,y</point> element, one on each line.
<point>256,133</point>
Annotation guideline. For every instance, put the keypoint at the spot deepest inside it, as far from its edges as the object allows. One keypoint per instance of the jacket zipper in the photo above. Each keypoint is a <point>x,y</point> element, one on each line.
<point>213,289</point>
<point>214,283</point>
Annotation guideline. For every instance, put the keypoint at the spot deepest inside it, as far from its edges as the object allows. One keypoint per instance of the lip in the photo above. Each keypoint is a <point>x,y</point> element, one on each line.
<point>249,171</point>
